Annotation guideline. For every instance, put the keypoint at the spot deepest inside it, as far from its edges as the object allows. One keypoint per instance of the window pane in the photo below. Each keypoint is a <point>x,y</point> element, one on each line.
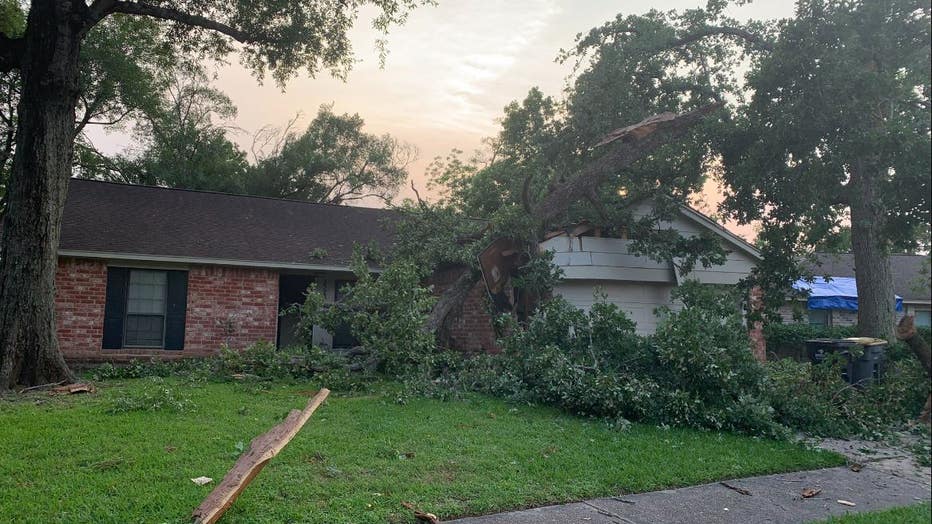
<point>147,292</point>
<point>144,330</point>
<point>923,318</point>
<point>820,317</point>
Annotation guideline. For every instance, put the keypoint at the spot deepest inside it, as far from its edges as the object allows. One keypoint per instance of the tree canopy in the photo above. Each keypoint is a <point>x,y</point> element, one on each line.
<point>272,37</point>
<point>334,161</point>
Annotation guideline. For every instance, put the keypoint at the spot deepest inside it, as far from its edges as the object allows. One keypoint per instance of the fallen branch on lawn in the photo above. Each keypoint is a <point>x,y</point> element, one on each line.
<point>261,450</point>
<point>71,389</point>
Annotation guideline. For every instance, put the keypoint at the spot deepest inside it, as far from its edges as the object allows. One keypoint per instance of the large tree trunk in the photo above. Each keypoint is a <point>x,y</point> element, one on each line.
<point>29,353</point>
<point>876,298</point>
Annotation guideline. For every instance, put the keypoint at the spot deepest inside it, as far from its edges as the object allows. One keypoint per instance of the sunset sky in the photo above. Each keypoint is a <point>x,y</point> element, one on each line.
<point>449,73</point>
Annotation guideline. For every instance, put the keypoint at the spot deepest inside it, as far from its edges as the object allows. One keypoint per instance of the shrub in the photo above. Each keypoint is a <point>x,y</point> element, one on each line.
<point>702,358</point>
<point>155,395</point>
<point>789,340</point>
<point>815,399</point>
<point>385,312</point>
<point>696,371</point>
<point>260,360</point>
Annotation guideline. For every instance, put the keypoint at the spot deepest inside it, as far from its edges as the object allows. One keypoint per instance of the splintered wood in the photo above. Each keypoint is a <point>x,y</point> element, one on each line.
<point>71,389</point>
<point>261,450</point>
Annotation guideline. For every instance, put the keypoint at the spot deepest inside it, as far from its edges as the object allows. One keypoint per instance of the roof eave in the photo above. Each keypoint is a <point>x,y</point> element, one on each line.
<point>173,259</point>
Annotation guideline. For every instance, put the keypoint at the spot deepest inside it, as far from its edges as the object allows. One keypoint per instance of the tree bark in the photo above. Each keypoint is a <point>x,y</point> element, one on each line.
<point>876,298</point>
<point>29,352</point>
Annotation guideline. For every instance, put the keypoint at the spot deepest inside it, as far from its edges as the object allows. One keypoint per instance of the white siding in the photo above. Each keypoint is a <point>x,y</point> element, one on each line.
<point>636,283</point>
<point>590,258</point>
<point>738,265</point>
<point>637,299</point>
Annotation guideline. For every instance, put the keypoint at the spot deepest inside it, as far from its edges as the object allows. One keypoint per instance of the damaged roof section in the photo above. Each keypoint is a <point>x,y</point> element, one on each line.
<point>109,220</point>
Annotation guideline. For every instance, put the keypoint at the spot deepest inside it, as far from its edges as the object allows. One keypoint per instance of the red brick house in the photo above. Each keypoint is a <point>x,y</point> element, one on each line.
<point>146,271</point>
<point>155,272</point>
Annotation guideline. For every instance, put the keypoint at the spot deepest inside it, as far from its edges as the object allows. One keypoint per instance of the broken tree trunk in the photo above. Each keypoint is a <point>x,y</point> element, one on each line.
<point>622,147</point>
<point>261,450</point>
<point>451,300</point>
<point>906,331</point>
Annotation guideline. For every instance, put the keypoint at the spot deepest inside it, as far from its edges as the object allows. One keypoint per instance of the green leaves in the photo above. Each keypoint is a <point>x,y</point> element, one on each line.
<point>280,37</point>
<point>333,161</point>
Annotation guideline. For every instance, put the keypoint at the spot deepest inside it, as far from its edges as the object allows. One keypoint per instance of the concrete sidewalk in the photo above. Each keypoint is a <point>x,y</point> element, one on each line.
<point>772,499</point>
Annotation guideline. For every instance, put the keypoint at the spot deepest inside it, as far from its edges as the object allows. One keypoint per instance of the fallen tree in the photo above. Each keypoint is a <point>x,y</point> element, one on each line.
<point>622,148</point>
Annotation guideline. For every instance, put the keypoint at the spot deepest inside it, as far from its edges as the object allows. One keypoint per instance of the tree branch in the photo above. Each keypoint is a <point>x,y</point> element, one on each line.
<point>167,13</point>
<point>712,30</point>
<point>628,145</point>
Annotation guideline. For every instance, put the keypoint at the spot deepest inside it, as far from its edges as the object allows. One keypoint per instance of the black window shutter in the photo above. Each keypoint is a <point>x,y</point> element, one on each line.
<point>175,311</point>
<point>115,308</point>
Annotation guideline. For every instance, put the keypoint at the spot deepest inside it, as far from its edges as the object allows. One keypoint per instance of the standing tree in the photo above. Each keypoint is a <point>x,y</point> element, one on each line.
<point>184,140</point>
<point>334,161</point>
<point>123,64</point>
<point>275,36</point>
<point>838,130</point>
<point>829,124</point>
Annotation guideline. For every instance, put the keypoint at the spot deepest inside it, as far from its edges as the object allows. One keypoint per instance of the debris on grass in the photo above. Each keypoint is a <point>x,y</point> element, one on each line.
<point>262,449</point>
<point>71,389</point>
<point>200,481</point>
<point>422,516</point>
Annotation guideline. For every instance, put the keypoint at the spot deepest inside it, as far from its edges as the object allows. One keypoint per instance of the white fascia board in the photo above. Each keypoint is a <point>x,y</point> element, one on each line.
<point>720,230</point>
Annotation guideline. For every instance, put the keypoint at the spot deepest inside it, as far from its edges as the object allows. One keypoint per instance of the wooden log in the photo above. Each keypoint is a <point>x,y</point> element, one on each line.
<point>71,389</point>
<point>261,450</point>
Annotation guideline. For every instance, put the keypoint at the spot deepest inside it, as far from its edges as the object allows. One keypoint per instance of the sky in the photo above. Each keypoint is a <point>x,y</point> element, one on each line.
<point>450,71</point>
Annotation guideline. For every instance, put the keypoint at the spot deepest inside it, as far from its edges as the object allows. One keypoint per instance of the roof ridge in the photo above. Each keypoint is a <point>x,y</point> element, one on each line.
<point>223,193</point>
<point>848,254</point>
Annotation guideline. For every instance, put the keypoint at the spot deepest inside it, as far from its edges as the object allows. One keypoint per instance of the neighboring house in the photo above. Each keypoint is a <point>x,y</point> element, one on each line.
<point>638,284</point>
<point>147,271</point>
<point>910,283</point>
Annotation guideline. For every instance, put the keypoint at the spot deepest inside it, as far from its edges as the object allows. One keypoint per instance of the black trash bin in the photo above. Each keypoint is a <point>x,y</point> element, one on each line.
<point>862,371</point>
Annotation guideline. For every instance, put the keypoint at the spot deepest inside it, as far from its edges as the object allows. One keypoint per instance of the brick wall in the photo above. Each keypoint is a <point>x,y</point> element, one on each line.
<point>472,331</point>
<point>234,306</point>
<point>237,306</point>
<point>80,294</point>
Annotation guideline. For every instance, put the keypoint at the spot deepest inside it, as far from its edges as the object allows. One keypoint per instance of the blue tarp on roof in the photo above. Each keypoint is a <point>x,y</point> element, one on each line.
<point>839,293</point>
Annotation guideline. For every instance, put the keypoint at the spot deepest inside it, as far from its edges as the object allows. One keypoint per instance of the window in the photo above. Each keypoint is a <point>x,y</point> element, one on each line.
<point>820,317</point>
<point>923,317</point>
<point>145,308</point>
<point>342,334</point>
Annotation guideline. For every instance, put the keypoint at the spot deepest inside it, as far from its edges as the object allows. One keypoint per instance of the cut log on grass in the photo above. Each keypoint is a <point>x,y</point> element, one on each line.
<point>261,450</point>
<point>71,389</point>
<point>906,331</point>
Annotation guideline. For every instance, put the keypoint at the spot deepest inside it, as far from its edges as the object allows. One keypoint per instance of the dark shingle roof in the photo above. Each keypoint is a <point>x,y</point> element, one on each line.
<point>908,280</point>
<point>104,217</point>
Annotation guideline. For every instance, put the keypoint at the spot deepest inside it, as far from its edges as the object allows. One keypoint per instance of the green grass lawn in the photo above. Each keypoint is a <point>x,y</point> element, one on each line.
<point>917,514</point>
<point>74,460</point>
